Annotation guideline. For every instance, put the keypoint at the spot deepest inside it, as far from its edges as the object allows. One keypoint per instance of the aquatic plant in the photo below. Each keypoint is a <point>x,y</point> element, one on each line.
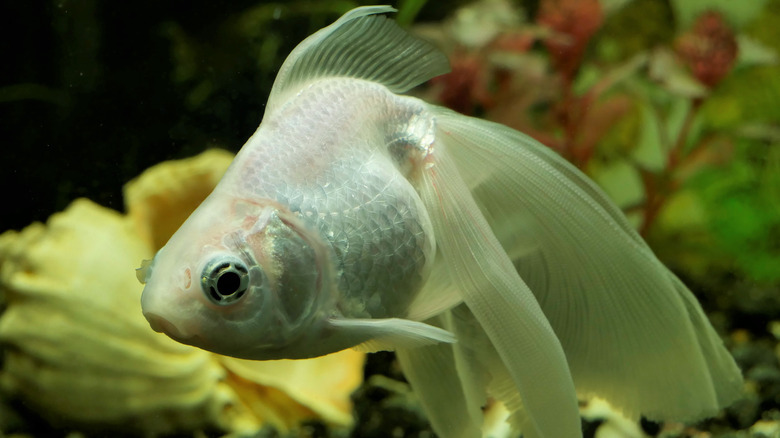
<point>636,105</point>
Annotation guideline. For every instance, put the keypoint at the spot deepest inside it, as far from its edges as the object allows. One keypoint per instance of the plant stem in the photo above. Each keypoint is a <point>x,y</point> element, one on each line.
<point>659,186</point>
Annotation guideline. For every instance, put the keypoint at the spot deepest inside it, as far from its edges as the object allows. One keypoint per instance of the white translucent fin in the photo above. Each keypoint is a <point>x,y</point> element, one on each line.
<point>391,333</point>
<point>360,45</point>
<point>438,294</point>
<point>470,358</point>
<point>500,300</point>
<point>431,372</point>
<point>454,381</point>
<point>481,369</point>
<point>632,332</point>
<point>143,272</point>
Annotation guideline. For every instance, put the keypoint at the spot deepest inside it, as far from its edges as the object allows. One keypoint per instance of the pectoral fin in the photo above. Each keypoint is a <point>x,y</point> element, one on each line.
<point>438,295</point>
<point>391,333</point>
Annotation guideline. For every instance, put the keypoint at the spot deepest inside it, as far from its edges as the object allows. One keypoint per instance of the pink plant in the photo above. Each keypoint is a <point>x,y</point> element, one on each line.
<point>573,23</point>
<point>709,48</point>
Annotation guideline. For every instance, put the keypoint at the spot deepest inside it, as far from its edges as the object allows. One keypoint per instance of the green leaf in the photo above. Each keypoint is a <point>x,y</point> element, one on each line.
<point>744,213</point>
<point>650,152</point>
<point>683,210</point>
<point>665,69</point>
<point>620,180</point>
<point>737,12</point>
<point>612,6</point>
<point>407,11</point>
<point>753,52</point>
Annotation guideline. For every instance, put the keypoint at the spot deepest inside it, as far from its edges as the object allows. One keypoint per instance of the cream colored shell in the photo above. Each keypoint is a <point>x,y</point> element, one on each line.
<point>80,353</point>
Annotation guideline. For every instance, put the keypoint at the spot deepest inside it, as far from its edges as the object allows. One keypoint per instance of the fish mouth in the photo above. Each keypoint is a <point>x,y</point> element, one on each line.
<point>162,325</point>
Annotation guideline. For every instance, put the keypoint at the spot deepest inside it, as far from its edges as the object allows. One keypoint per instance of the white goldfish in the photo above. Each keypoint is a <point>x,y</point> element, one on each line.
<point>357,217</point>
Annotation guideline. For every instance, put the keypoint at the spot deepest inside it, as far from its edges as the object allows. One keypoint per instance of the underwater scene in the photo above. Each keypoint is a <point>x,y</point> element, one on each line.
<point>471,218</point>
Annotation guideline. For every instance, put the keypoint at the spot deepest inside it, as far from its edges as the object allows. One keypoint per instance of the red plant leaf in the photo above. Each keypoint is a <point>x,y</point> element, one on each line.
<point>573,23</point>
<point>709,48</point>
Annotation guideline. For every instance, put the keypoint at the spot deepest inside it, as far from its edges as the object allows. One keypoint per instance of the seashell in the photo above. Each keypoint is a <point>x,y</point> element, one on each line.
<point>316,385</point>
<point>78,351</point>
<point>76,346</point>
<point>163,196</point>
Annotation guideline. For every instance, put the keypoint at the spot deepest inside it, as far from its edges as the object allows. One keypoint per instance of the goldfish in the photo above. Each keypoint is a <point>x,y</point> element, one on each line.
<point>359,217</point>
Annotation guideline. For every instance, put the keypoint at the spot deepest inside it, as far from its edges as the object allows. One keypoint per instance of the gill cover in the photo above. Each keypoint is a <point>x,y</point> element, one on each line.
<point>262,291</point>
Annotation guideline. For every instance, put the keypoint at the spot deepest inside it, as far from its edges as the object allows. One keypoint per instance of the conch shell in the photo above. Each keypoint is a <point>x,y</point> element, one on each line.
<point>80,353</point>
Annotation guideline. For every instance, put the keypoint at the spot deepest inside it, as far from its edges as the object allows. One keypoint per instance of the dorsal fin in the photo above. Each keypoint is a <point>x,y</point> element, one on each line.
<point>361,45</point>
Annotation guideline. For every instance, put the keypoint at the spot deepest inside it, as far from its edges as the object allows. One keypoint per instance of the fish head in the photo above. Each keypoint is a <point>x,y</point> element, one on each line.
<point>238,278</point>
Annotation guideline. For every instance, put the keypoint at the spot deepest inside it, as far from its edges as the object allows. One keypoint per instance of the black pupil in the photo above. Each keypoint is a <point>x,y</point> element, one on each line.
<point>228,283</point>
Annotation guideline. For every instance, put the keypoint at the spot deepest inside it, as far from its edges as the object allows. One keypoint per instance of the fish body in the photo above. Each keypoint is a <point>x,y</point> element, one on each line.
<point>351,184</point>
<point>356,217</point>
<point>324,219</point>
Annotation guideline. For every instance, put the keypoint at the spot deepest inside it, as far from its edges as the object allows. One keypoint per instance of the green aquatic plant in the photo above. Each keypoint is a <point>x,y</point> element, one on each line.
<point>644,109</point>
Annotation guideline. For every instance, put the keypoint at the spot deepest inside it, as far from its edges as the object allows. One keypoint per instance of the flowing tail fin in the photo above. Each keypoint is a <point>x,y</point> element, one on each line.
<point>631,331</point>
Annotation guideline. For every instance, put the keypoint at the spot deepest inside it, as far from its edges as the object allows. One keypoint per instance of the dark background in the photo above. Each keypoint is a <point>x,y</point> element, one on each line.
<point>87,99</point>
<point>92,92</point>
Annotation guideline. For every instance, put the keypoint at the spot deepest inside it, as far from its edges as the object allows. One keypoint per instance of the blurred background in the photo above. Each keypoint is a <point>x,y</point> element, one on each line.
<point>672,106</point>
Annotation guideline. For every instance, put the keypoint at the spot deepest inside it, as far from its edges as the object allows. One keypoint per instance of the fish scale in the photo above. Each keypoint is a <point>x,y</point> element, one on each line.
<point>356,198</point>
<point>340,184</point>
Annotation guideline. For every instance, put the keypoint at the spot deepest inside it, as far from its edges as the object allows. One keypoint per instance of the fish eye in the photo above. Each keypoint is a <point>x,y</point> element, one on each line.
<point>225,280</point>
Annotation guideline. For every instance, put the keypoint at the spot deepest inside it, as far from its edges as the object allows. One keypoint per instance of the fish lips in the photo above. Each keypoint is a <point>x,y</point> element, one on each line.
<point>162,325</point>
